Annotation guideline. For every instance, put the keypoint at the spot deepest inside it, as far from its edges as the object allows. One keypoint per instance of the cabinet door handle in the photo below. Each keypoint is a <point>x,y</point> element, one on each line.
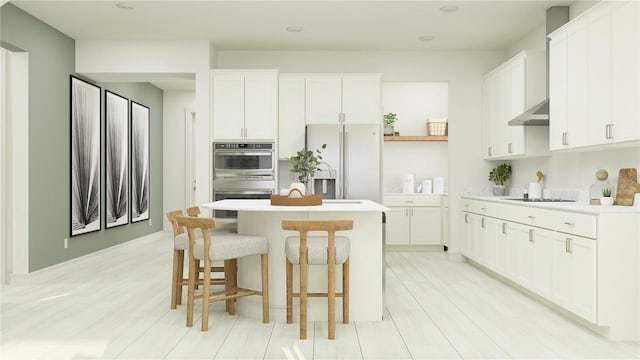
<point>509,148</point>
<point>568,245</point>
<point>483,223</point>
<point>406,212</point>
<point>532,235</point>
<point>466,218</point>
<point>489,151</point>
<point>565,140</point>
<point>411,210</point>
<point>504,228</point>
<point>341,117</point>
<point>569,223</point>
<point>241,132</point>
<point>608,132</point>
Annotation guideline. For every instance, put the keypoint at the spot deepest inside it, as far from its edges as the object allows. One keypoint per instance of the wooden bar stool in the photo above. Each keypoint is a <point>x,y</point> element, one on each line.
<point>318,250</point>
<point>207,247</point>
<point>180,244</point>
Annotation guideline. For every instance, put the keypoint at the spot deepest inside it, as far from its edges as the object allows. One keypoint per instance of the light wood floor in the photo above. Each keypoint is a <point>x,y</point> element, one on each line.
<point>115,305</point>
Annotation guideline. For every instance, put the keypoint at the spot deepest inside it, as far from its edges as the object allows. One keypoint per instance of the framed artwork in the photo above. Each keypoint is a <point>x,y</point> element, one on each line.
<point>139,162</point>
<point>116,114</point>
<point>85,157</point>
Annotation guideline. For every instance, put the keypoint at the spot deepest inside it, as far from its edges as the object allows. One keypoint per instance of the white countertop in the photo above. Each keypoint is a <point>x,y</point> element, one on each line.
<point>354,205</point>
<point>413,194</point>
<point>568,206</point>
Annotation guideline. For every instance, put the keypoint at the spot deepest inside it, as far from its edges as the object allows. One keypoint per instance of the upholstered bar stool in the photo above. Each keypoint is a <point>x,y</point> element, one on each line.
<point>180,244</point>
<point>207,246</point>
<point>318,250</point>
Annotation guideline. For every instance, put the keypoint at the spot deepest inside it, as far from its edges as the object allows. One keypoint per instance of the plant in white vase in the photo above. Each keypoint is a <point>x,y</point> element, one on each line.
<point>499,175</point>
<point>606,198</point>
<point>388,120</point>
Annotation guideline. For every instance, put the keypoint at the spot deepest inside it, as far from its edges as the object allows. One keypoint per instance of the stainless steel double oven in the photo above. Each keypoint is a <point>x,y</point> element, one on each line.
<point>242,171</point>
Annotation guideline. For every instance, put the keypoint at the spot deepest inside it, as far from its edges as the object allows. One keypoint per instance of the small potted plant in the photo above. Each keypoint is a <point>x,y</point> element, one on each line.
<point>606,199</point>
<point>389,119</point>
<point>499,175</point>
<point>305,164</point>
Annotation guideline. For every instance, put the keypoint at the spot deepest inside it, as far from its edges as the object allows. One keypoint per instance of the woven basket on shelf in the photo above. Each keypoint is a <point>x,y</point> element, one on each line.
<point>436,127</point>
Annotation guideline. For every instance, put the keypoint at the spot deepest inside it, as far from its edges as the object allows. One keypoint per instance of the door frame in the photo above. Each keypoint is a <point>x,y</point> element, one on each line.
<point>190,152</point>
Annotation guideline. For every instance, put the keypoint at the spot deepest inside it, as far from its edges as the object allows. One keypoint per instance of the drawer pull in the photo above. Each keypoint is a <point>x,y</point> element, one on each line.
<point>408,201</point>
<point>483,209</point>
<point>531,217</point>
<point>569,223</point>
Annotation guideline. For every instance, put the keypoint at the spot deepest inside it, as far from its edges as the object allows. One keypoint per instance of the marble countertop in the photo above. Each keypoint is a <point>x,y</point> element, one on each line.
<point>354,205</point>
<point>568,206</point>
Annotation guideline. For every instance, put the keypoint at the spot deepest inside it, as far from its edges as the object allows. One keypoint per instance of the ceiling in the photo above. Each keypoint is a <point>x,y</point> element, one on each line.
<point>326,25</point>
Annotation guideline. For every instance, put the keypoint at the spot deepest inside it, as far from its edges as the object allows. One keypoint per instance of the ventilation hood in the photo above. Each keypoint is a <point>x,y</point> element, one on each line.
<point>538,115</point>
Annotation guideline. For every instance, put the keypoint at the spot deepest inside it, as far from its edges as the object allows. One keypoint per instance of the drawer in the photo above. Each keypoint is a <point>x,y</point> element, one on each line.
<point>562,221</point>
<point>412,200</point>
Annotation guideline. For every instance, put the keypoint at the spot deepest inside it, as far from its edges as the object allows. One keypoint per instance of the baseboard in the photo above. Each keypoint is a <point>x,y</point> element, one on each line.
<point>20,277</point>
<point>457,257</point>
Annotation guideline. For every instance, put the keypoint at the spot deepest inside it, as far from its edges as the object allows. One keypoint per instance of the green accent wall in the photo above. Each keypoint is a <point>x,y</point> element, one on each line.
<point>51,61</point>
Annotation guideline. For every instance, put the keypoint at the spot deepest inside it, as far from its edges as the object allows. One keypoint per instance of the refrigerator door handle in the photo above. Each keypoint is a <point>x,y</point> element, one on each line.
<point>345,179</point>
<point>340,182</point>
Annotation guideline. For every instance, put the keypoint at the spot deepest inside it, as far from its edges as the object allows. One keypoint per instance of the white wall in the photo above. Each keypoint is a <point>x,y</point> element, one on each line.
<point>139,57</point>
<point>463,71</point>
<point>174,108</point>
<point>414,102</point>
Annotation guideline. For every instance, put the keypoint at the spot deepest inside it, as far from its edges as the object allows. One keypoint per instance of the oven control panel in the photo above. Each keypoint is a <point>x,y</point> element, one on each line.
<point>247,146</point>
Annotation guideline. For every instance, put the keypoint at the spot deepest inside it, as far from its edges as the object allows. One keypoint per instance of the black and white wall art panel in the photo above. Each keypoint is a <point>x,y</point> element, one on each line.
<point>85,157</point>
<point>139,162</point>
<point>116,113</point>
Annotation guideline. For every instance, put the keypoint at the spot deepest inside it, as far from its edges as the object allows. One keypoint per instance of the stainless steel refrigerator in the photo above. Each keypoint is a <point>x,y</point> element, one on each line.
<point>352,161</point>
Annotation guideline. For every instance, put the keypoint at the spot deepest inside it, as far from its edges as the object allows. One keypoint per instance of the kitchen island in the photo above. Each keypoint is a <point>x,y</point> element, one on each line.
<point>259,217</point>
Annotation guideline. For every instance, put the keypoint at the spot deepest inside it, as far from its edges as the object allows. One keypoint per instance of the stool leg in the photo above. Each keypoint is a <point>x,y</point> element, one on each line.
<point>180,276</point>
<point>230,282</point>
<point>197,274</point>
<point>331,293</point>
<point>345,292</point>
<point>175,279</point>
<point>303,297</point>
<point>289,268</point>
<point>191,288</point>
<point>265,288</point>
<point>206,283</point>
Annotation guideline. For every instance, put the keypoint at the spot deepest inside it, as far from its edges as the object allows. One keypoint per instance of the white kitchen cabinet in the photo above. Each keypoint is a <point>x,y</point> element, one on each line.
<point>574,274</point>
<point>413,220</point>
<point>508,91</point>
<point>291,107</point>
<point>348,98</point>
<point>581,261</point>
<point>445,221</point>
<point>244,104</point>
<point>595,93</point>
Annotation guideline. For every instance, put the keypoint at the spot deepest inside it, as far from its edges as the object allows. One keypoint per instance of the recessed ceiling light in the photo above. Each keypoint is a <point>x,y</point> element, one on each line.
<point>426,38</point>
<point>125,6</point>
<point>449,8</point>
<point>294,28</point>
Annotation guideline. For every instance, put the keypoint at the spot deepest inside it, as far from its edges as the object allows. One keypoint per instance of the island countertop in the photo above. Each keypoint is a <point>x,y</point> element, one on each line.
<point>355,205</point>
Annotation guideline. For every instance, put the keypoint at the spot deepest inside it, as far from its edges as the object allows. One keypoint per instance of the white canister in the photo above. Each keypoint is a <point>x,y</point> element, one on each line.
<point>408,183</point>
<point>535,190</point>
<point>438,185</point>
<point>427,186</point>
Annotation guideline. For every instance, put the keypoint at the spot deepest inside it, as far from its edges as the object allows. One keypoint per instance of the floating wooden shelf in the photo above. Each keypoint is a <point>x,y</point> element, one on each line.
<point>416,138</point>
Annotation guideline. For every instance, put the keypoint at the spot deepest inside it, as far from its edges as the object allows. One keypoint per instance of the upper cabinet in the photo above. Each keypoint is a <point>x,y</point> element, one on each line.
<point>324,99</point>
<point>348,98</point>
<point>595,78</point>
<point>244,104</point>
<point>508,91</point>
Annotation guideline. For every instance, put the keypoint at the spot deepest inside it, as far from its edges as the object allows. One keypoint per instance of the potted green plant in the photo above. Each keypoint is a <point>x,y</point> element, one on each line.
<point>305,164</point>
<point>606,198</point>
<point>499,175</point>
<point>389,119</point>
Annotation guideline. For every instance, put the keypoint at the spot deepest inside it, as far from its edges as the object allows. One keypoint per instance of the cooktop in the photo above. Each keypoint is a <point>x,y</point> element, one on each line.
<point>541,200</point>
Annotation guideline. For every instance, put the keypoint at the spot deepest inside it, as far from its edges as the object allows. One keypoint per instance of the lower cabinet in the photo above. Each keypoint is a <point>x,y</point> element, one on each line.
<point>414,219</point>
<point>558,266</point>
<point>574,280</point>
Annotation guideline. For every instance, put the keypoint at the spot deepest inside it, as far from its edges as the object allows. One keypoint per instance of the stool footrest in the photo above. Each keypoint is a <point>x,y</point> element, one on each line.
<point>228,294</point>
<point>317,294</point>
